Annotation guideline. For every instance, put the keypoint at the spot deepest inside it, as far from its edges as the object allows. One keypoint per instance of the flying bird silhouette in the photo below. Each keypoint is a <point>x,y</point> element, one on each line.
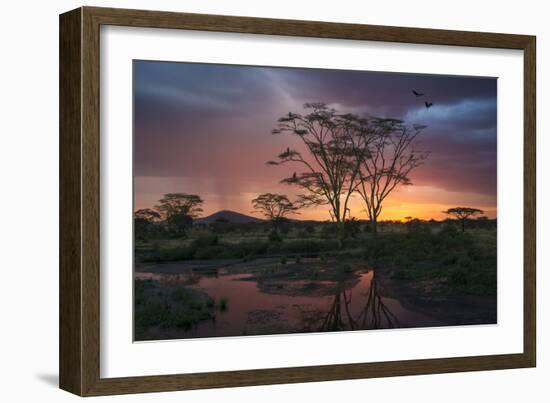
<point>416,126</point>
<point>417,94</point>
<point>428,104</point>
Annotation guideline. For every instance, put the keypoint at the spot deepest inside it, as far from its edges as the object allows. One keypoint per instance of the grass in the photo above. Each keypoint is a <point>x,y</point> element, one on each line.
<point>169,306</point>
<point>206,248</point>
<point>463,262</point>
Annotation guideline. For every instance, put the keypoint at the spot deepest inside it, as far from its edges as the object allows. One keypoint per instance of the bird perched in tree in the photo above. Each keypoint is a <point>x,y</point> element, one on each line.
<point>428,104</point>
<point>417,94</point>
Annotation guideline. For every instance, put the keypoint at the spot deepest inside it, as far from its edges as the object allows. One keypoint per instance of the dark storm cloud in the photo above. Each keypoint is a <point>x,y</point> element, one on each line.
<point>202,121</point>
<point>190,88</point>
<point>383,91</point>
<point>181,107</point>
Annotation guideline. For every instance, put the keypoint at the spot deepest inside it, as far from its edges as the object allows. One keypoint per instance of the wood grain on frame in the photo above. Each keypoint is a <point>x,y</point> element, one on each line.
<point>79,200</point>
<point>70,319</point>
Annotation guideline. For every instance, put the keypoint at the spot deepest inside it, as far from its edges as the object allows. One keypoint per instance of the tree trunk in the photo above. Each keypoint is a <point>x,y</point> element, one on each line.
<point>341,233</point>
<point>374,224</point>
<point>463,221</point>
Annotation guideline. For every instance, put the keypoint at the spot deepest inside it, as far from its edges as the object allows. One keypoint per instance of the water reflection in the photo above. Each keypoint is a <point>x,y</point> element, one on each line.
<point>258,307</point>
<point>375,314</point>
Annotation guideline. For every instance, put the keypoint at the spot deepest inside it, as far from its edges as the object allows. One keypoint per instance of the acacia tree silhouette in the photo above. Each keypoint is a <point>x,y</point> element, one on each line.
<point>275,207</point>
<point>347,154</point>
<point>463,214</point>
<point>392,157</point>
<point>334,152</point>
<point>179,209</point>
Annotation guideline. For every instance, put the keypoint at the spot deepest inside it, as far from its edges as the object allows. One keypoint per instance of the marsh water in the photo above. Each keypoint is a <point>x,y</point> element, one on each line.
<point>261,300</point>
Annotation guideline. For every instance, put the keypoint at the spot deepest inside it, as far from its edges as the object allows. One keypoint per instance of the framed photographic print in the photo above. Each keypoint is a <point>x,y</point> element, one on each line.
<point>250,201</point>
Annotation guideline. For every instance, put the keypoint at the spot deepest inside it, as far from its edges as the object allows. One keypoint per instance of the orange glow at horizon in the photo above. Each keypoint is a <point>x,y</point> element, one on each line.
<point>422,202</point>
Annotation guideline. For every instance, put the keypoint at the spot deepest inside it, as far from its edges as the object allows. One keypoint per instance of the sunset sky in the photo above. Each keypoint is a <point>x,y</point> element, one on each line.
<point>206,129</point>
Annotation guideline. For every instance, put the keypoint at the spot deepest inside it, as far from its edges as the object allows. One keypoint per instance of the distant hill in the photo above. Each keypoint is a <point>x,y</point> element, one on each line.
<point>231,216</point>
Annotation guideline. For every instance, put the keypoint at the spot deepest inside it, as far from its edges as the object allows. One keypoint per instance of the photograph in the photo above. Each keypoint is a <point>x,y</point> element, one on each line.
<point>282,200</point>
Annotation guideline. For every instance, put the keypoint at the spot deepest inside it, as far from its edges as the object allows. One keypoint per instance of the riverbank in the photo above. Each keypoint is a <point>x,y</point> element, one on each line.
<point>265,296</point>
<point>403,280</point>
<point>433,297</point>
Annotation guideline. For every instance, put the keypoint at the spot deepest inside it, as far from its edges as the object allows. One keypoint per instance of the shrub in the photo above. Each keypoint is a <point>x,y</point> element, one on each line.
<point>449,260</point>
<point>250,249</point>
<point>449,229</point>
<point>465,262</point>
<point>352,243</point>
<point>212,252</point>
<point>210,302</point>
<point>308,246</point>
<point>416,226</point>
<point>274,237</point>
<point>169,306</point>
<point>169,254</point>
<point>223,304</point>
<point>329,231</point>
<point>458,277</point>
<point>206,240</point>
<point>242,250</point>
<point>352,228</point>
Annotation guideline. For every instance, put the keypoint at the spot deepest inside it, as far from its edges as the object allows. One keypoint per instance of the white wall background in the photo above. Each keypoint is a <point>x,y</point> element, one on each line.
<point>29,198</point>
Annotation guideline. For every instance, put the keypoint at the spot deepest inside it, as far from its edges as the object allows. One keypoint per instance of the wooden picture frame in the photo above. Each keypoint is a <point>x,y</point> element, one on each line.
<point>79,201</point>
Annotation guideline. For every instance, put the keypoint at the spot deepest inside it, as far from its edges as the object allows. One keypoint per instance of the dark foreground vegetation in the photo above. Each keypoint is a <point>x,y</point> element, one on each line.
<point>459,262</point>
<point>169,305</point>
<point>429,266</point>
<point>417,250</point>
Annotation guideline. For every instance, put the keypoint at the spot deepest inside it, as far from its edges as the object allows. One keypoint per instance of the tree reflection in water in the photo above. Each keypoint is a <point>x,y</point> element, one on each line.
<point>372,314</point>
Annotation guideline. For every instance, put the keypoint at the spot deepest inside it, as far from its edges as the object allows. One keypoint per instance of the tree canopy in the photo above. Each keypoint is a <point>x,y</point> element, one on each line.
<point>179,209</point>
<point>144,220</point>
<point>462,214</point>
<point>274,206</point>
<point>334,152</point>
<point>391,158</point>
<point>180,203</point>
<point>147,214</point>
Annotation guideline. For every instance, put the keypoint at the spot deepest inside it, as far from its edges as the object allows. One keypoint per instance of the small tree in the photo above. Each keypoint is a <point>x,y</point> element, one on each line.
<point>143,222</point>
<point>180,223</point>
<point>179,209</point>
<point>352,227</point>
<point>462,214</point>
<point>180,203</point>
<point>147,215</point>
<point>275,207</point>
<point>417,226</point>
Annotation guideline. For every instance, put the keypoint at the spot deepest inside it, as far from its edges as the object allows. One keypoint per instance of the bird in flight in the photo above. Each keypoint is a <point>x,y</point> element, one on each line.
<point>418,127</point>
<point>417,94</point>
<point>428,104</point>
